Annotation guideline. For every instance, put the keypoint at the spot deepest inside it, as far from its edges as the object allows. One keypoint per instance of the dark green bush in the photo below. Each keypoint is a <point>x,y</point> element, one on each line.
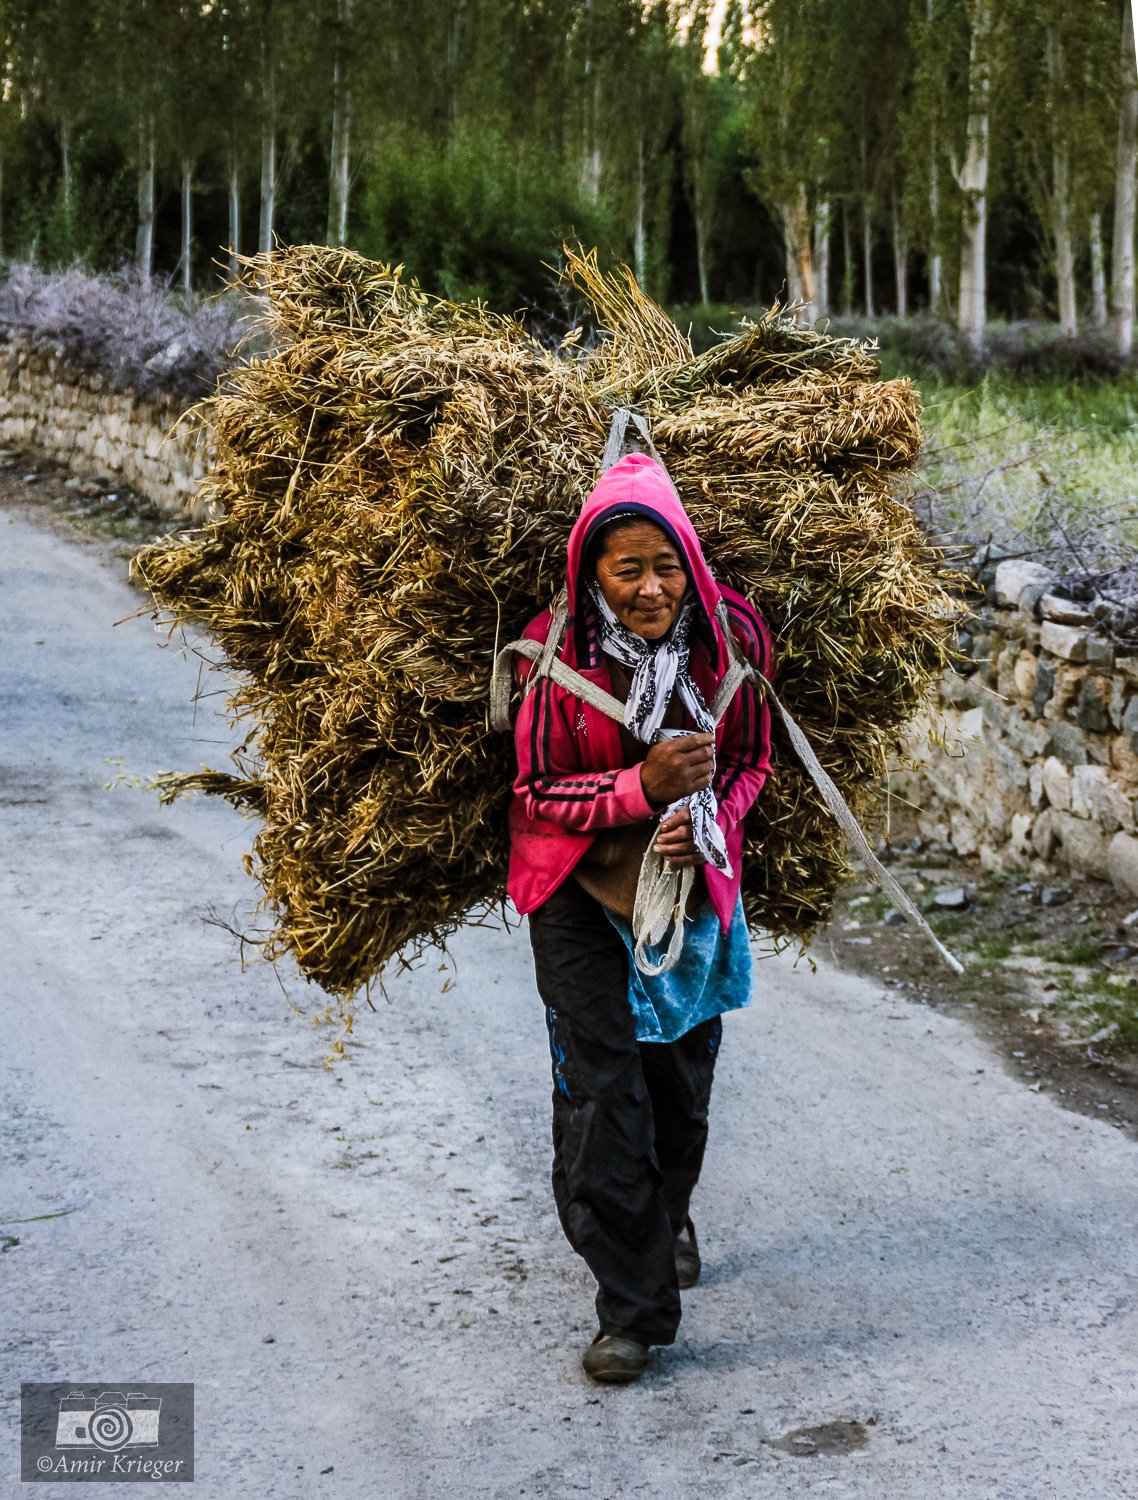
<point>475,218</point>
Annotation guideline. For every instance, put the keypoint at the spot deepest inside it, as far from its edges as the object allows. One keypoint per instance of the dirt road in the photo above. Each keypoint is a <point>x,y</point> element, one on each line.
<point>361,1269</point>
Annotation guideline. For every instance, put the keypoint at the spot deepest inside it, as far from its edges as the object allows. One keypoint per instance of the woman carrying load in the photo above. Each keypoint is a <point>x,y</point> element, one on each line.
<point>633,1053</point>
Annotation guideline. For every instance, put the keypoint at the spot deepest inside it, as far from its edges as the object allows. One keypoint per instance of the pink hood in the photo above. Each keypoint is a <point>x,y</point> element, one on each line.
<point>638,485</point>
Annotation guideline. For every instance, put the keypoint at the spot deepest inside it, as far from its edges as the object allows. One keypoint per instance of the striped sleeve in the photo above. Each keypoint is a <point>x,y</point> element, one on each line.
<point>551,783</point>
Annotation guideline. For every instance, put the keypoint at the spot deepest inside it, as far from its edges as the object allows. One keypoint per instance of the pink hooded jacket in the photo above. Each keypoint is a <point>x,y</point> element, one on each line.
<point>573,781</point>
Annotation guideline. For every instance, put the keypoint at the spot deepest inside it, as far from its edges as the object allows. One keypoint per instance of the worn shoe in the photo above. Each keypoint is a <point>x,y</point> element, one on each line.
<point>614,1360</point>
<point>688,1263</point>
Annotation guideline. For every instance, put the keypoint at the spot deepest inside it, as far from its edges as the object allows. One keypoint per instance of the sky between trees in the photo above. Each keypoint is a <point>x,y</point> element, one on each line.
<point>972,157</point>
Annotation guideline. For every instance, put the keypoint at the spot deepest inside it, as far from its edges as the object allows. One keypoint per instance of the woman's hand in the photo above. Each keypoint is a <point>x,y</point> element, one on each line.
<point>675,843</point>
<point>678,767</point>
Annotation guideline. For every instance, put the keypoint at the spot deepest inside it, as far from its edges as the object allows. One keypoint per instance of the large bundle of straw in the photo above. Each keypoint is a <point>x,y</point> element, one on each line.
<point>395,485</point>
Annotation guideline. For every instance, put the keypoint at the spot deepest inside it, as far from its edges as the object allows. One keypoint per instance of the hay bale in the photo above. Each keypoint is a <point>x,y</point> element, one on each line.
<point>394,487</point>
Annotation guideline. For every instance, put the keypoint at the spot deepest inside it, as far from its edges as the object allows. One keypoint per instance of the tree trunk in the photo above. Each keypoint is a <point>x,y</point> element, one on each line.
<point>341,129</point>
<point>267,220</point>
<point>822,229</point>
<point>973,179</point>
<point>1126,161</point>
<point>1098,272</point>
<point>847,262</point>
<point>900,260</point>
<point>66,185</point>
<point>234,218</point>
<point>799,259</point>
<point>935,261</point>
<point>268,189</point>
<point>334,156</point>
<point>1065,269</point>
<point>793,261</point>
<point>187,223</point>
<point>1061,193</point>
<point>590,174</point>
<point>144,234</point>
<point>268,131</point>
<point>867,256</point>
<point>640,228</point>
<point>701,256</point>
<point>341,175</point>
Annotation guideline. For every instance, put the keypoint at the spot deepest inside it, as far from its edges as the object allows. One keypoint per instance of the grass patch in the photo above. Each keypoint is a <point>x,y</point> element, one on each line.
<point>1101,1001</point>
<point>1024,462</point>
<point>948,924</point>
<point>874,905</point>
<point>995,946</point>
<point>1080,948</point>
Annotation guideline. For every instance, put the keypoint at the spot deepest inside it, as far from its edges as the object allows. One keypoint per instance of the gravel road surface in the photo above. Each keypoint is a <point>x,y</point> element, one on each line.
<point>931,1269</point>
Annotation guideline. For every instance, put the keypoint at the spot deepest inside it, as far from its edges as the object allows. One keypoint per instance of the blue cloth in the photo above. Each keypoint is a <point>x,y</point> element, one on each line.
<point>713,975</point>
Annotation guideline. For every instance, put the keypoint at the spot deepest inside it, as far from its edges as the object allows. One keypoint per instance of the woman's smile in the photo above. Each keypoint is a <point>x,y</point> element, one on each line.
<point>643,579</point>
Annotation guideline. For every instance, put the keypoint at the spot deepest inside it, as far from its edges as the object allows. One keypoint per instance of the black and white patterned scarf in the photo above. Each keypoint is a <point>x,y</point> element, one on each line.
<point>658,668</point>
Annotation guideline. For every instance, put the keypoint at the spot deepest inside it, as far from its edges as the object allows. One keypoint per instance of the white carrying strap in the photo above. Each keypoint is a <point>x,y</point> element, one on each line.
<point>616,445</point>
<point>661,900</point>
<point>549,664</point>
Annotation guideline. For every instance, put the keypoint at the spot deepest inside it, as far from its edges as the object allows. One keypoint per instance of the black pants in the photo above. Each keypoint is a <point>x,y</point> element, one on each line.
<point>629,1117</point>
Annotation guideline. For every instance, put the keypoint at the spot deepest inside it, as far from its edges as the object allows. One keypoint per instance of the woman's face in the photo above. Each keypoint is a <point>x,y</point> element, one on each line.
<point>642,579</point>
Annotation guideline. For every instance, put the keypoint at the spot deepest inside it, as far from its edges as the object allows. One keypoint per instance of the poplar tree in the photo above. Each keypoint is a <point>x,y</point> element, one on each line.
<point>1067,121</point>
<point>189,55</point>
<point>866,74</point>
<point>140,59</point>
<point>268,19</point>
<point>234,104</point>
<point>1125,191</point>
<point>936,33</point>
<point>703,108</point>
<point>970,170</point>
<point>788,128</point>
<point>55,59</point>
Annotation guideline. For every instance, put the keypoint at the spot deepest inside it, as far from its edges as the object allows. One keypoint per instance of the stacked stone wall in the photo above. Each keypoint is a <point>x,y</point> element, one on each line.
<point>72,416</point>
<point>1031,755</point>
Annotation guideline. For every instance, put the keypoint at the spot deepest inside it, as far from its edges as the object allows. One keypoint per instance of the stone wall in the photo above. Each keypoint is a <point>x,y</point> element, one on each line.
<point>72,416</point>
<point>1031,756</point>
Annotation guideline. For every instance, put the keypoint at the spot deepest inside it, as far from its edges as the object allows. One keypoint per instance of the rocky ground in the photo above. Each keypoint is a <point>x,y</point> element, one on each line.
<point>86,509</point>
<point>1050,970</point>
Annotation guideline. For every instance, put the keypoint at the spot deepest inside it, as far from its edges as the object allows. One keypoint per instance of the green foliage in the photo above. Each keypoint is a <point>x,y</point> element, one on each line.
<point>1080,948</point>
<point>475,218</point>
<point>1040,467</point>
<point>1105,1001</point>
<point>479,133</point>
<point>995,946</point>
<point>1066,101</point>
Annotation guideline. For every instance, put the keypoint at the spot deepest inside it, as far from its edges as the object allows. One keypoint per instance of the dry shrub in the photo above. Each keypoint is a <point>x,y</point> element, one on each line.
<point>132,332</point>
